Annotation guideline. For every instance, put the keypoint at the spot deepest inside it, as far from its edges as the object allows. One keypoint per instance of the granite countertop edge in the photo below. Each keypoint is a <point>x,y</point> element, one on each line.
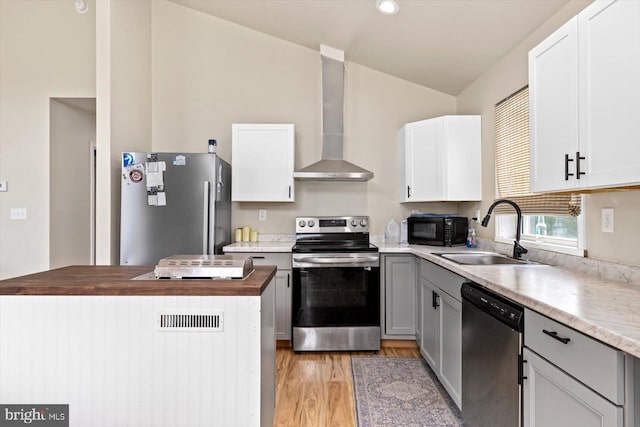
<point>606,310</point>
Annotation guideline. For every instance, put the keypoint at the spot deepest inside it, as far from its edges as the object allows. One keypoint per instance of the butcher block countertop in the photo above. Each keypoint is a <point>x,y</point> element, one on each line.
<point>116,280</point>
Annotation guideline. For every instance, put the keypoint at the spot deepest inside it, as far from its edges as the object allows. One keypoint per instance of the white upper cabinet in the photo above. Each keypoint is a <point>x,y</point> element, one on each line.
<point>584,125</point>
<point>553,109</point>
<point>609,55</point>
<point>262,162</point>
<point>441,159</point>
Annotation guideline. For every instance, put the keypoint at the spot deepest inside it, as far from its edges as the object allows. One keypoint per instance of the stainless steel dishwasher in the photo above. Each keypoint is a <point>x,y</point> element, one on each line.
<point>492,329</point>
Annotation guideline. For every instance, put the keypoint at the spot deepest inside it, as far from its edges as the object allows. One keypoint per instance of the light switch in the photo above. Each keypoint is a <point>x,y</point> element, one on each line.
<point>3,185</point>
<point>607,220</point>
<point>262,214</point>
<point>19,213</point>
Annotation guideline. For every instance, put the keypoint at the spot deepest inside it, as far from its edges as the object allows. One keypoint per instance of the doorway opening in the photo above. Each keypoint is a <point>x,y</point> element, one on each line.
<point>72,192</point>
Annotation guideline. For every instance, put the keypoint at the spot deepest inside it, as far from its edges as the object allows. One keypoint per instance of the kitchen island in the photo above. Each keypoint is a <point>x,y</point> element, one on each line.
<point>140,352</point>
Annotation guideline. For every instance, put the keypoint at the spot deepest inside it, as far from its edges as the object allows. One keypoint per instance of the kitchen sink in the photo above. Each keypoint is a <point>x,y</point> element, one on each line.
<point>482,258</point>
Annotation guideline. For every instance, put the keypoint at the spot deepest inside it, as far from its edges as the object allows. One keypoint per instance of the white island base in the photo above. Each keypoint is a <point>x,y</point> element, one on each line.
<point>107,357</point>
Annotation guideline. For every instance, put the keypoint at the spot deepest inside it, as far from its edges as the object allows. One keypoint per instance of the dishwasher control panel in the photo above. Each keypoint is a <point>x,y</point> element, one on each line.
<point>499,307</point>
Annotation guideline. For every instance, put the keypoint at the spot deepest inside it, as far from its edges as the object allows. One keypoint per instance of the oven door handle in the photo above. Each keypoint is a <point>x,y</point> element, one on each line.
<point>335,260</point>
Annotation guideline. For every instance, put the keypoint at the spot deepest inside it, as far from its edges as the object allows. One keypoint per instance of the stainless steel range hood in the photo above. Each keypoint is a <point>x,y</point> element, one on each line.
<point>332,167</point>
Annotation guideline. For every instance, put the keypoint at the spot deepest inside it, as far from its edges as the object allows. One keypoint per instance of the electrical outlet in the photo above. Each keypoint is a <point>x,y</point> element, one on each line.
<point>262,215</point>
<point>19,213</point>
<point>607,220</point>
<point>3,185</point>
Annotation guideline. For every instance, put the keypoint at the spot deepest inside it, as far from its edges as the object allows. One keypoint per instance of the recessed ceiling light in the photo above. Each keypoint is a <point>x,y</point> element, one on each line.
<point>388,7</point>
<point>81,6</point>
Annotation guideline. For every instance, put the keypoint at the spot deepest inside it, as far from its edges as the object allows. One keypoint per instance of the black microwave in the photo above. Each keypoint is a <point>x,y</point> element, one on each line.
<point>437,230</point>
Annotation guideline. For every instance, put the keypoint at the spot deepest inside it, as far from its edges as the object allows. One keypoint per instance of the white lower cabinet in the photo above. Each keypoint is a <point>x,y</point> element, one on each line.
<point>553,398</point>
<point>441,326</point>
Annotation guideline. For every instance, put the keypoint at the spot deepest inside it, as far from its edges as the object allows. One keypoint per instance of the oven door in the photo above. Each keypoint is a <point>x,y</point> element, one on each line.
<point>336,301</point>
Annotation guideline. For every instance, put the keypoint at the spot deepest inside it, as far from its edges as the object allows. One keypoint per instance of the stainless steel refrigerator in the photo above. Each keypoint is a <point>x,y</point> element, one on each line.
<point>173,203</point>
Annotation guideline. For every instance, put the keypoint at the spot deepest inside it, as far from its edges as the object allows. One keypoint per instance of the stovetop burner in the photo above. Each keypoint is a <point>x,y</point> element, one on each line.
<point>333,234</point>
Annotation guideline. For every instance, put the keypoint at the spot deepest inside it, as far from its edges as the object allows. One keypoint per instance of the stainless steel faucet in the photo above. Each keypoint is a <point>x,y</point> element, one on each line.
<point>518,249</point>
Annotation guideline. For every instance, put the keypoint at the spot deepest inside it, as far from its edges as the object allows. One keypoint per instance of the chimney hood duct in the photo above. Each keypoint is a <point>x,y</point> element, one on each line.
<point>332,167</point>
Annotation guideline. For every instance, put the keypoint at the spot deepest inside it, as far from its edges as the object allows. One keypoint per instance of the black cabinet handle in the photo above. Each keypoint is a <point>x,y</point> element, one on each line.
<point>408,191</point>
<point>434,299</point>
<point>289,191</point>
<point>554,335</point>
<point>257,257</point>
<point>288,280</point>
<point>578,158</point>
<point>521,376</point>
<point>566,167</point>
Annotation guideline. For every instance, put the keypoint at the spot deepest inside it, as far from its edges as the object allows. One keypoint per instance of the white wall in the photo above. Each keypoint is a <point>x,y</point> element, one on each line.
<point>46,50</point>
<point>507,76</point>
<point>209,73</point>
<point>72,130</point>
<point>123,33</point>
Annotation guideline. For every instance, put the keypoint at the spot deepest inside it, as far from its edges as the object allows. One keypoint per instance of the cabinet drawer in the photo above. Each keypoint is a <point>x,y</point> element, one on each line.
<point>280,260</point>
<point>442,278</point>
<point>591,362</point>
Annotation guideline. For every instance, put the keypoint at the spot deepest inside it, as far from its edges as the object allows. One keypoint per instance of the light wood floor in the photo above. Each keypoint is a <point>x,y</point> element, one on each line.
<point>316,389</point>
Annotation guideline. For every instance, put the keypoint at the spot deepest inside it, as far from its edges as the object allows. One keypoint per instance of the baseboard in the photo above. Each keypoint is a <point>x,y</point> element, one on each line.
<point>398,344</point>
<point>383,343</point>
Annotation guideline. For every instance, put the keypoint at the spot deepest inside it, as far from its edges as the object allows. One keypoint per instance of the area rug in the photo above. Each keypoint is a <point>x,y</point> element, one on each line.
<point>392,391</point>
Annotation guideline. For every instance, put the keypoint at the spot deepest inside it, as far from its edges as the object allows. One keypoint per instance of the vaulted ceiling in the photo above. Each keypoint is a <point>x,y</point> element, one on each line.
<point>441,44</point>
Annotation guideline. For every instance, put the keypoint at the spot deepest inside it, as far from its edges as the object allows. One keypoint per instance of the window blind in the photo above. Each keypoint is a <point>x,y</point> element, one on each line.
<point>512,162</point>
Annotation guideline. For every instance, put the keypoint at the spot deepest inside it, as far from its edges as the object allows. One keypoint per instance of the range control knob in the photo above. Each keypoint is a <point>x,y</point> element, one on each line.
<point>302,223</point>
<point>363,222</point>
<point>311,223</point>
<point>354,222</point>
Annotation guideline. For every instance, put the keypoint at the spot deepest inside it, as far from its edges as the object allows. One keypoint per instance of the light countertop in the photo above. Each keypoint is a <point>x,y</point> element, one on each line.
<point>603,309</point>
<point>262,246</point>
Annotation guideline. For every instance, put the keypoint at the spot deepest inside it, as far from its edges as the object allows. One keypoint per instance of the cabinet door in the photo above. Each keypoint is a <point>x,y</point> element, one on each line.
<point>462,148</point>
<point>400,285</point>
<point>430,346</point>
<point>262,162</point>
<point>553,398</point>
<point>553,109</point>
<point>609,86</point>
<point>423,161</point>
<point>418,303</point>
<point>283,305</point>
<point>450,332</point>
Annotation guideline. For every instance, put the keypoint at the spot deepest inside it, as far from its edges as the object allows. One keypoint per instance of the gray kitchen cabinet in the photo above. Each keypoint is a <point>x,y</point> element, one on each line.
<point>262,162</point>
<point>429,346</point>
<point>572,379</point>
<point>433,152</point>
<point>552,398</point>
<point>587,64</point>
<point>418,312</point>
<point>283,287</point>
<point>400,290</point>
<point>441,328</point>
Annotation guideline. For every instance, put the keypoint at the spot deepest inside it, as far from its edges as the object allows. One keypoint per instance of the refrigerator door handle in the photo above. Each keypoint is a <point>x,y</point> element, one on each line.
<point>205,219</point>
<point>219,184</point>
